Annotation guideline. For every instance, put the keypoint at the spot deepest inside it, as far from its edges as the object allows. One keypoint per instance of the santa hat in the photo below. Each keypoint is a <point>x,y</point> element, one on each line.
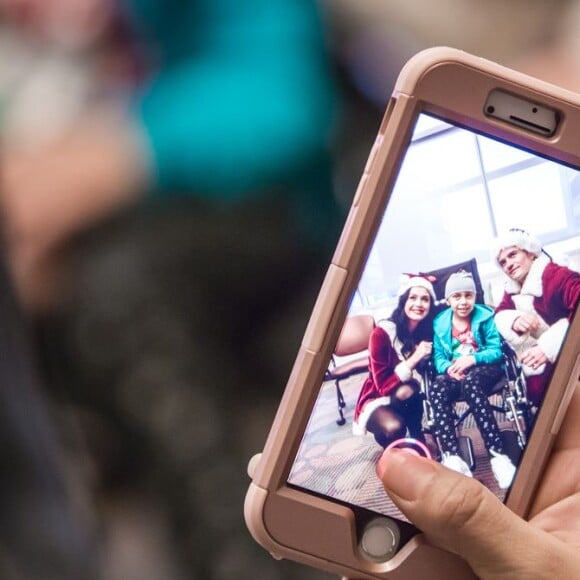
<point>519,239</point>
<point>409,281</point>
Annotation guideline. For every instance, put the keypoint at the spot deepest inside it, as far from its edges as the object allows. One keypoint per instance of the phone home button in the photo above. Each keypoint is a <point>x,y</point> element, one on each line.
<point>379,540</point>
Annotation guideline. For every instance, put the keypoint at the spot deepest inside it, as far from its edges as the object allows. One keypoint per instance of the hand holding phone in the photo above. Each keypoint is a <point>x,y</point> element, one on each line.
<point>463,517</point>
<point>469,158</point>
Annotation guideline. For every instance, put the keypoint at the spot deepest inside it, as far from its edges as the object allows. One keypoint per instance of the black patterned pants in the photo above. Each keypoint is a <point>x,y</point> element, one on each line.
<point>474,389</point>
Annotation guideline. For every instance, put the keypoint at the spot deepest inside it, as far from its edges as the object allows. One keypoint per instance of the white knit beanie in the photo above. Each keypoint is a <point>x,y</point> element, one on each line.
<point>459,282</point>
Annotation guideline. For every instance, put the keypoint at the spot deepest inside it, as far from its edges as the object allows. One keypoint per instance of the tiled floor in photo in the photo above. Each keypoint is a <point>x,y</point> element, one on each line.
<point>334,462</point>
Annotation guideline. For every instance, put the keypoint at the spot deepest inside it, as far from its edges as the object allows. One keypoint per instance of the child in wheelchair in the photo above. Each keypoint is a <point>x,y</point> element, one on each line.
<point>467,356</point>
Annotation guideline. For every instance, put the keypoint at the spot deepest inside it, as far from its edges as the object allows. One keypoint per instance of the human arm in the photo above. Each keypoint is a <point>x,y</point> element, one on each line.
<point>569,284</point>
<point>489,343</point>
<point>386,370</point>
<point>512,323</point>
<point>533,357</point>
<point>562,292</point>
<point>458,367</point>
<point>441,358</point>
<point>422,351</point>
<point>241,101</point>
<point>51,194</point>
<point>460,515</point>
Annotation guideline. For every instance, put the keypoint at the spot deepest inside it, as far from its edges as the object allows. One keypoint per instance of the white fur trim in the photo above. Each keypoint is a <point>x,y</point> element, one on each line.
<point>551,341</point>
<point>360,427</point>
<point>403,372</point>
<point>504,321</point>
<point>525,303</point>
<point>408,282</point>
<point>519,342</point>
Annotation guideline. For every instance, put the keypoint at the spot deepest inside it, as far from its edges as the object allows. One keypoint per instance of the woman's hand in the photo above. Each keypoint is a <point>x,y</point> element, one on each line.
<point>422,351</point>
<point>460,515</point>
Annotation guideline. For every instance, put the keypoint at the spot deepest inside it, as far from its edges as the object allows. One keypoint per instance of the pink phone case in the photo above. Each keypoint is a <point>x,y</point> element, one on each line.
<point>316,531</point>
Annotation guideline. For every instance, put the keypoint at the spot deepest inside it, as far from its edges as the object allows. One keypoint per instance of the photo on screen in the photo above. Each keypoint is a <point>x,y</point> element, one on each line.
<point>456,323</point>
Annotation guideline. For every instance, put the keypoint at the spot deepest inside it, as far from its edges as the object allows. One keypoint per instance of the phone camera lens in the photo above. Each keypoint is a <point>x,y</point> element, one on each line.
<point>490,109</point>
<point>535,110</point>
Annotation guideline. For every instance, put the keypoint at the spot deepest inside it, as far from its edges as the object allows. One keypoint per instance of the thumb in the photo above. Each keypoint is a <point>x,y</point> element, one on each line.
<point>460,515</point>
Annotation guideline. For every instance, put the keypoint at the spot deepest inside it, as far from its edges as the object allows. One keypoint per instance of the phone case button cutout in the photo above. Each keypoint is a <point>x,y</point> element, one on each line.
<point>324,308</point>
<point>373,154</point>
<point>359,190</point>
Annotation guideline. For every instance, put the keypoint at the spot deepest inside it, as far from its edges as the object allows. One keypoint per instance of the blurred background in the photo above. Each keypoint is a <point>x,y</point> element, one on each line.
<point>173,178</point>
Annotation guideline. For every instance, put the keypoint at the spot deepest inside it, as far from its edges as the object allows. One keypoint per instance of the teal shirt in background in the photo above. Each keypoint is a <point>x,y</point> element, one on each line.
<point>241,99</point>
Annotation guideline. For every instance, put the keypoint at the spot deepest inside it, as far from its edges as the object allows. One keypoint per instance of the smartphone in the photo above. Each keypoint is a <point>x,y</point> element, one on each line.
<point>468,151</point>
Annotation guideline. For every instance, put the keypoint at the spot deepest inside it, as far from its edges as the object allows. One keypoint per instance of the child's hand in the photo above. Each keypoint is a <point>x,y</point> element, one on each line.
<point>455,374</point>
<point>457,369</point>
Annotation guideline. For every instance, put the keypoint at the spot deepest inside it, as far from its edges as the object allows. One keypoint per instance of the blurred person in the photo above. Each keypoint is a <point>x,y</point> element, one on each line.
<point>236,103</point>
<point>47,523</point>
<point>197,215</point>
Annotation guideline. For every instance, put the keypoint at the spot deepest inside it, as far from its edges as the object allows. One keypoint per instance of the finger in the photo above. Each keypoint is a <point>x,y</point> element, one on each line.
<point>562,473</point>
<point>460,515</point>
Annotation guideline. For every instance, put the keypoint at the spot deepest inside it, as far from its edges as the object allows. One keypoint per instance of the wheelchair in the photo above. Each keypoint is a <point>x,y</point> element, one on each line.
<point>508,396</point>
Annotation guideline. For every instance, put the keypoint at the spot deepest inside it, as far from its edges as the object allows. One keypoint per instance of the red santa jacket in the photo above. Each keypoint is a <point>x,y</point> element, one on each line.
<point>552,292</point>
<point>387,371</point>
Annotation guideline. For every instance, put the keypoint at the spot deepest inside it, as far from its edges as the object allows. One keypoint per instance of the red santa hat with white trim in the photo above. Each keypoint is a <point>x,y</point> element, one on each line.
<point>416,280</point>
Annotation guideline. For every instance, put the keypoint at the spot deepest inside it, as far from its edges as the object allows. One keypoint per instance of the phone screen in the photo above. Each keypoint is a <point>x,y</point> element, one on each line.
<point>447,353</point>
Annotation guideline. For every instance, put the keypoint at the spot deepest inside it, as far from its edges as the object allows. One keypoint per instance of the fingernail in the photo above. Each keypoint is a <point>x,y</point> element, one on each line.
<point>407,476</point>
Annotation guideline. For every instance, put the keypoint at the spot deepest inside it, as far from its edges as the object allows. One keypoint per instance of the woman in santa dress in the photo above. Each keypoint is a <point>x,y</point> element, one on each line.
<point>390,400</point>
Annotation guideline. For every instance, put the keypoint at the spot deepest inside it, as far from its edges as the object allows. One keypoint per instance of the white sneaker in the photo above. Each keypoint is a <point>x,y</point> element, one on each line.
<point>455,463</point>
<point>503,469</point>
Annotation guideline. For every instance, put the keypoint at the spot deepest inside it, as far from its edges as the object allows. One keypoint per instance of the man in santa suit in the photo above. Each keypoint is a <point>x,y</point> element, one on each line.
<point>538,303</point>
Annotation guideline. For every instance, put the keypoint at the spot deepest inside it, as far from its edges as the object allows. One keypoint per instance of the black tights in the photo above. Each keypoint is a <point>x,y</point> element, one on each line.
<point>391,422</point>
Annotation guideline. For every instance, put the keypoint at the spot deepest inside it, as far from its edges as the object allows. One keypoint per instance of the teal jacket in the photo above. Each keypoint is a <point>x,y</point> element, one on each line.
<point>240,100</point>
<point>484,331</point>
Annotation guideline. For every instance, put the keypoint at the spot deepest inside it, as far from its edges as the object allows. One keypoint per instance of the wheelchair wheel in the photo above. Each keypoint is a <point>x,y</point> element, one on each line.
<point>466,451</point>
